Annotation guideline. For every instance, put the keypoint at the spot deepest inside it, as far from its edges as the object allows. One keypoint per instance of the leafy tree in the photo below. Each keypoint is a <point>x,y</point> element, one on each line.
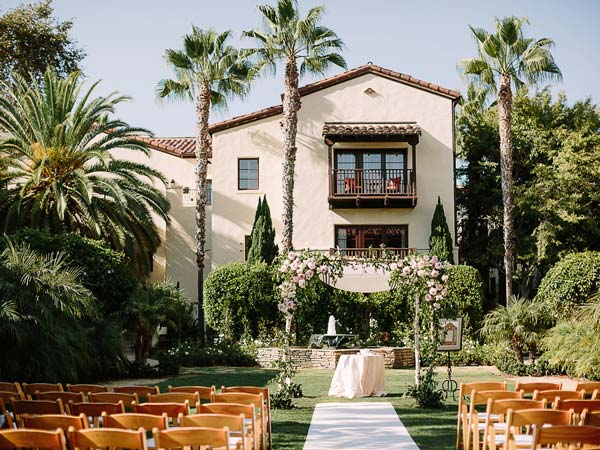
<point>440,240</point>
<point>61,175</point>
<point>151,306</point>
<point>208,71</point>
<point>506,58</point>
<point>555,171</point>
<point>262,239</point>
<point>31,40</point>
<point>290,38</point>
<point>521,323</point>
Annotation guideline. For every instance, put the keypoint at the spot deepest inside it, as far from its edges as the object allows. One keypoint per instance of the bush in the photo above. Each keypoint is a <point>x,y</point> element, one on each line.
<point>465,297</point>
<point>571,282</point>
<point>240,298</point>
<point>189,354</point>
<point>105,272</point>
<point>427,394</point>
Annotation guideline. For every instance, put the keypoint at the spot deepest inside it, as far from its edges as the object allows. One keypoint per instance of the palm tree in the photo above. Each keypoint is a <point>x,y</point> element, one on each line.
<point>289,38</point>
<point>59,173</point>
<point>207,71</point>
<point>521,323</point>
<point>506,58</point>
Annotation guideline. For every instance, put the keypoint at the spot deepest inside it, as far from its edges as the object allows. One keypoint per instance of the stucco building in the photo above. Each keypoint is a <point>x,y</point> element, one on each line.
<point>375,150</point>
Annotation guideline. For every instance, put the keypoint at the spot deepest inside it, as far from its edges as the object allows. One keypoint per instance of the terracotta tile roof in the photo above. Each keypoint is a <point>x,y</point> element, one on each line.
<point>184,147</point>
<point>332,81</point>
<point>370,129</point>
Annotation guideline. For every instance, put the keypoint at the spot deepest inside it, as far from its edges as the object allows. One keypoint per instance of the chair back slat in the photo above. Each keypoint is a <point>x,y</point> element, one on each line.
<point>7,396</point>
<point>175,397</point>
<point>172,410</point>
<point>107,438</point>
<point>35,407</point>
<point>87,388</point>
<point>553,395</point>
<point>529,388</point>
<point>592,418</point>
<point>135,421</point>
<point>50,440</point>
<point>65,397</point>
<point>248,411</point>
<point>113,397</point>
<point>141,391</point>
<point>234,422</point>
<point>578,405</point>
<point>12,387</point>
<point>203,391</point>
<point>54,421</point>
<point>194,436</point>
<point>93,411</point>
<point>29,389</point>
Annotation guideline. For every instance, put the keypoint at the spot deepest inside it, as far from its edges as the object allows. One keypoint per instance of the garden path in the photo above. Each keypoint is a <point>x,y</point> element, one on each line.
<point>357,426</point>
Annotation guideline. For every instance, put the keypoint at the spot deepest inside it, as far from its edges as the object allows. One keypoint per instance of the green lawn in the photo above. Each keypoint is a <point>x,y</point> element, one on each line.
<point>430,428</point>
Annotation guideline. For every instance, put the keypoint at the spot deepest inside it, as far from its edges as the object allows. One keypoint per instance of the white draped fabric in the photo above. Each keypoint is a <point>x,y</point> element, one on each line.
<point>362,278</point>
<point>358,376</point>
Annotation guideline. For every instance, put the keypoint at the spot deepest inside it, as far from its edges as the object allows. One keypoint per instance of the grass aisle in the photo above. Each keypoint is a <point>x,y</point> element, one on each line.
<point>430,428</point>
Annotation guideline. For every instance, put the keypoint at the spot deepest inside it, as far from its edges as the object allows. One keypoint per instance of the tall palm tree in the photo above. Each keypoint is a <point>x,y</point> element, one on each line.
<point>208,71</point>
<point>506,58</point>
<point>60,175</point>
<point>289,38</point>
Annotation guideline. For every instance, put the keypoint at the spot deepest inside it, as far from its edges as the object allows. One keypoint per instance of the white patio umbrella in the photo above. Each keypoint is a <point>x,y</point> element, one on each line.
<point>363,278</point>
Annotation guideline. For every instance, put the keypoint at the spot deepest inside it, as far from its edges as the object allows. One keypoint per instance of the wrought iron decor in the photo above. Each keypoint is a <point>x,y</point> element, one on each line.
<point>450,341</point>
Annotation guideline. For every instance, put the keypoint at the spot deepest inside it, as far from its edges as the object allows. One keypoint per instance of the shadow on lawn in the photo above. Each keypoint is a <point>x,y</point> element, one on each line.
<point>289,434</point>
<point>221,376</point>
<point>430,428</point>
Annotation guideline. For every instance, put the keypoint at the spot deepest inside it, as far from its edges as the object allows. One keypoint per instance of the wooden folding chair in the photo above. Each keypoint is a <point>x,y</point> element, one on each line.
<point>35,407</point>
<point>8,421</point>
<point>54,421</point>
<point>30,389</point>
<point>6,397</point>
<point>93,411</point>
<point>27,439</point>
<point>248,411</point>
<point>176,397</point>
<point>133,421</point>
<point>476,419</point>
<point>115,397</point>
<point>107,437</point>
<point>85,389</point>
<point>141,391</point>
<point>587,386</point>
<point>577,407</point>
<point>266,397</point>
<point>12,387</point>
<point>552,396</point>
<point>235,423</point>
<point>570,435</point>
<point>215,438</point>
<point>247,399</point>
<point>204,392</point>
<point>172,410</point>
<point>495,430</point>
<point>463,397</point>
<point>65,397</point>
<point>520,423</point>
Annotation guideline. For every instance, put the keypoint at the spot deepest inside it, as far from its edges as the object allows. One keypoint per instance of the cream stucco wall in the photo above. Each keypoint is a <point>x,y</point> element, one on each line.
<point>314,221</point>
<point>176,260</point>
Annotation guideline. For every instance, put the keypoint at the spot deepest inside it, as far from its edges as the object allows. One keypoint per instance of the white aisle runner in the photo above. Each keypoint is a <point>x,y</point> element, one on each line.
<point>357,426</point>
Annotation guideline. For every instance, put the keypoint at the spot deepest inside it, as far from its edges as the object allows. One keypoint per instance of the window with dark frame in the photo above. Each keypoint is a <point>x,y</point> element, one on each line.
<point>374,236</point>
<point>371,171</point>
<point>247,174</point>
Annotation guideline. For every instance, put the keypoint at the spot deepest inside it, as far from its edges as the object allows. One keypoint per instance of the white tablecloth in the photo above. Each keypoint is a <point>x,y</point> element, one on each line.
<point>358,376</point>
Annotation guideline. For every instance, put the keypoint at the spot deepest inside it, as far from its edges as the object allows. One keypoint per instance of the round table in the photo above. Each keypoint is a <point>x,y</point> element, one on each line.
<point>359,375</point>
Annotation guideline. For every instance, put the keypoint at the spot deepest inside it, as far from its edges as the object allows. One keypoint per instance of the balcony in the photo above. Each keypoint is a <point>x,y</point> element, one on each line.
<point>372,188</point>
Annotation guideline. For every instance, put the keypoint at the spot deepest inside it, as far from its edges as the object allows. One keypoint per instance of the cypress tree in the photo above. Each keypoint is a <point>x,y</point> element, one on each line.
<point>262,245</point>
<point>440,241</point>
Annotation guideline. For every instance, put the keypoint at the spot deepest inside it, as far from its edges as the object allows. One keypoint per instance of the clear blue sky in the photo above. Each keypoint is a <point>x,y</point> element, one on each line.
<point>125,42</point>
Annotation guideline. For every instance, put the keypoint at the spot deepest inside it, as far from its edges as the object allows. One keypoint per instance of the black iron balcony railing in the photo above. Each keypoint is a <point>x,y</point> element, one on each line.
<point>373,252</point>
<point>373,183</point>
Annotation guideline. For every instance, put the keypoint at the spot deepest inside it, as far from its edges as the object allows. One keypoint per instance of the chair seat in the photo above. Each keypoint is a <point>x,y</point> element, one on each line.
<point>521,440</point>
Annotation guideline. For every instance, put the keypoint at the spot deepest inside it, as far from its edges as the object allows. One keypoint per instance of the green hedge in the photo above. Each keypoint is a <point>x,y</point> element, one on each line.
<point>240,299</point>
<point>106,273</point>
<point>570,283</point>
<point>465,296</point>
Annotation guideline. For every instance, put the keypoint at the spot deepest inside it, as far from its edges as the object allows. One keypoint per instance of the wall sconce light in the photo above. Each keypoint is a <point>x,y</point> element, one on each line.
<point>369,91</point>
<point>172,184</point>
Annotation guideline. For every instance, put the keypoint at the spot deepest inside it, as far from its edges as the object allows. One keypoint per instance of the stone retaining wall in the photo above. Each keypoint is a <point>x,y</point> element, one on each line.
<point>316,358</point>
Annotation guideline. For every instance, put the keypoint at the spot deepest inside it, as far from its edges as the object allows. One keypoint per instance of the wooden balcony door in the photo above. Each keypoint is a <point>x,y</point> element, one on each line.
<point>361,237</point>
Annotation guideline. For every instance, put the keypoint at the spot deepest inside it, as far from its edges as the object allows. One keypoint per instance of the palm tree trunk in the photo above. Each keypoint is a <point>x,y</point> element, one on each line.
<point>291,105</point>
<point>202,153</point>
<point>506,170</point>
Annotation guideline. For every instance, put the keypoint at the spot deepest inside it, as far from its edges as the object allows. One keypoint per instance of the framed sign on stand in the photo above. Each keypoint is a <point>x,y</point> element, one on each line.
<point>450,341</point>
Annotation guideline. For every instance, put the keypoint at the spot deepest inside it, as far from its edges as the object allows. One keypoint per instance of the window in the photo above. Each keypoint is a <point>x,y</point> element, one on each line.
<point>371,236</point>
<point>370,171</point>
<point>208,190</point>
<point>247,174</point>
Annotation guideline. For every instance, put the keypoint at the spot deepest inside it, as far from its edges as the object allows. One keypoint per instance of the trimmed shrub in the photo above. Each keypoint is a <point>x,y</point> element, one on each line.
<point>570,283</point>
<point>465,297</point>
<point>440,241</point>
<point>106,273</point>
<point>240,299</point>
